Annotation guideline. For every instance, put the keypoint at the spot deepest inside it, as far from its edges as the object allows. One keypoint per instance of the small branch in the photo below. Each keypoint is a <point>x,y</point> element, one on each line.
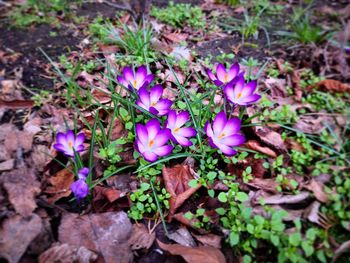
<point>125,7</point>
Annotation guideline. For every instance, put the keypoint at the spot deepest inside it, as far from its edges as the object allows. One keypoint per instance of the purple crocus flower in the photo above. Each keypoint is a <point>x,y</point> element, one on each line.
<point>152,101</point>
<point>80,188</point>
<point>241,93</point>
<point>180,134</point>
<point>222,76</point>
<point>135,81</point>
<point>224,133</point>
<point>151,140</point>
<point>68,143</point>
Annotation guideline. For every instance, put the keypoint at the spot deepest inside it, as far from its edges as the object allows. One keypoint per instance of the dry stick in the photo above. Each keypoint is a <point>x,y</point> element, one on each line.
<point>125,7</point>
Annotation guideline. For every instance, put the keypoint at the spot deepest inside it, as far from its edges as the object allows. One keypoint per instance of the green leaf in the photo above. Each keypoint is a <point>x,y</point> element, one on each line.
<point>193,183</point>
<point>144,186</point>
<point>233,238</point>
<point>241,196</point>
<point>295,239</point>
<point>308,249</point>
<point>222,197</point>
<point>211,193</point>
<point>275,240</point>
<point>221,211</point>
<point>211,175</point>
<point>200,211</point>
<point>188,215</point>
<point>140,206</point>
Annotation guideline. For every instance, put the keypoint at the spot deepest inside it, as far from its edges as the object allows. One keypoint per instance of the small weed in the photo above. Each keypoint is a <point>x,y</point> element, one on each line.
<point>180,15</point>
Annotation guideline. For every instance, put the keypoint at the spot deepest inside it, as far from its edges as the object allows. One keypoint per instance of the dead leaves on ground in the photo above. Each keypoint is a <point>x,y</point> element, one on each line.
<point>59,185</point>
<point>195,254</point>
<point>176,181</point>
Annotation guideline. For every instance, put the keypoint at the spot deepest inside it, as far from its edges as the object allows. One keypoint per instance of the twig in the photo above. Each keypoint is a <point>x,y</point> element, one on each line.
<point>125,7</point>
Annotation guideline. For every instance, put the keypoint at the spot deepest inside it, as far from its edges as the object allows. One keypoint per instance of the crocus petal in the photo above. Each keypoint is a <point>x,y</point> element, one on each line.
<point>186,132</point>
<point>226,150</point>
<point>70,137</point>
<point>60,147</point>
<point>141,133</point>
<point>182,118</point>
<point>155,93</point>
<point>149,79</point>
<point>61,138</point>
<point>144,97</point>
<point>80,148</point>
<point>233,140</point>
<point>232,126</point>
<point>83,172</point>
<point>122,81</point>
<point>79,140</point>
<point>239,87</point>
<point>163,106</point>
<point>233,71</point>
<point>162,138</point>
<point>219,122</point>
<point>208,129</point>
<point>153,127</point>
<point>154,111</point>
<point>250,99</point>
<point>141,74</point>
<point>183,141</point>
<point>218,83</point>
<point>150,156</point>
<point>228,91</point>
<point>80,189</point>
<point>163,150</point>
<point>171,119</point>
<point>211,75</point>
<point>221,72</point>
<point>249,89</point>
<point>128,75</point>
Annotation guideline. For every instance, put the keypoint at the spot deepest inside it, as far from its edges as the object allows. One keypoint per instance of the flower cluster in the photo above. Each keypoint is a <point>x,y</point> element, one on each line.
<point>233,83</point>
<point>70,145</point>
<point>154,140</point>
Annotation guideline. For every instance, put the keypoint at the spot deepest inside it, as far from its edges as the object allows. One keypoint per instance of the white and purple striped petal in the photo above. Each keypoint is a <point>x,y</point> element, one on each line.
<point>152,101</point>
<point>223,134</point>
<point>135,81</point>
<point>67,143</point>
<point>180,134</point>
<point>223,76</point>
<point>152,141</point>
<point>241,93</point>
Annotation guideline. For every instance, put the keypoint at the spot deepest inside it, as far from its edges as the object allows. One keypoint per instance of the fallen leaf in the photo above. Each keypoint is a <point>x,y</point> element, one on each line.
<point>180,52</point>
<point>22,187</point>
<point>65,253</point>
<point>16,104</point>
<point>331,85</point>
<point>118,130</point>
<point>16,234</point>
<point>195,254</point>
<point>271,138</point>
<point>318,190</point>
<point>266,184</point>
<point>105,233</point>
<point>7,165</point>
<point>209,240</point>
<point>176,181</point>
<point>60,185</point>
<point>343,248</point>
<point>176,37</point>
<point>190,223</point>
<point>256,146</point>
<point>141,237</point>
<point>286,199</point>
<point>183,237</point>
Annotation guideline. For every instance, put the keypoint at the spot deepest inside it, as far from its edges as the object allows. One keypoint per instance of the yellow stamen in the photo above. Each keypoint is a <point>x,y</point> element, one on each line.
<point>221,135</point>
<point>151,142</point>
<point>225,78</point>
<point>135,83</point>
<point>176,130</point>
<point>239,95</point>
<point>70,144</point>
<point>153,104</point>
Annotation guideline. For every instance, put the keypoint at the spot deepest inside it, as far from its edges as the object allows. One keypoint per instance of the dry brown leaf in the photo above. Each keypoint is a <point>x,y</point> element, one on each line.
<point>22,187</point>
<point>16,104</point>
<point>65,253</point>
<point>209,240</point>
<point>117,129</point>
<point>176,37</point>
<point>271,138</point>
<point>60,185</point>
<point>331,85</point>
<point>195,254</point>
<point>343,248</point>
<point>176,181</point>
<point>287,199</point>
<point>318,189</point>
<point>16,234</point>
<point>141,237</point>
<point>183,237</point>
<point>266,184</point>
<point>7,165</point>
<point>109,193</point>
<point>256,146</point>
<point>105,233</point>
